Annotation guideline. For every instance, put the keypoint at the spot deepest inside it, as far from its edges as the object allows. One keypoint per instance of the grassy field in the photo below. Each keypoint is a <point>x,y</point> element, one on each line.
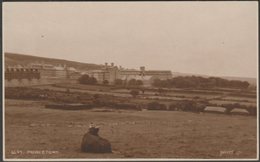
<point>30,127</point>
<point>176,95</point>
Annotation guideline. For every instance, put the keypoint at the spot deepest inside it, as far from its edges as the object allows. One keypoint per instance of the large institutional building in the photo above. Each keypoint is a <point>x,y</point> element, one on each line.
<point>54,74</point>
<point>112,72</point>
<point>21,73</point>
<point>39,74</point>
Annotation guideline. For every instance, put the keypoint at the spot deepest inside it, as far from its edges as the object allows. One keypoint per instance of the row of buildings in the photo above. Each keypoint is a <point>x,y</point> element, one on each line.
<point>63,73</point>
<point>40,71</point>
<point>112,72</point>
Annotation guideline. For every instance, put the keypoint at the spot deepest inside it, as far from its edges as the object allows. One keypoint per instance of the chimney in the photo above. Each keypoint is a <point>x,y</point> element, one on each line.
<point>106,64</point>
<point>112,64</point>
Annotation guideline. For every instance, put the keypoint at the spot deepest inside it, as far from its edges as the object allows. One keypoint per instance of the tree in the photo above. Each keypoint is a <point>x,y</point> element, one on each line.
<point>134,93</point>
<point>200,82</point>
<point>105,82</point>
<point>119,82</point>
<point>156,82</point>
<point>139,83</point>
<point>132,82</point>
<point>85,79</point>
<point>245,84</point>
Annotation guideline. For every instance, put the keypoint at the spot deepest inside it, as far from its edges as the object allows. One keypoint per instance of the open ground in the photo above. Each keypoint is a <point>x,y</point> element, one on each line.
<point>32,131</point>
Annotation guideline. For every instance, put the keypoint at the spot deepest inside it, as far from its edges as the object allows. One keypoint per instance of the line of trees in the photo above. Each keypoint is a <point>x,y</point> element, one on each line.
<point>200,82</point>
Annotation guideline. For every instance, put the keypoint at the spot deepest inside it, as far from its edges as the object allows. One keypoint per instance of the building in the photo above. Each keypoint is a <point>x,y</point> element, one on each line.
<point>20,73</point>
<point>46,70</point>
<point>160,74</point>
<point>112,72</point>
<point>59,72</point>
<point>109,73</point>
<point>36,73</point>
<point>21,76</point>
<point>100,75</point>
<point>72,73</point>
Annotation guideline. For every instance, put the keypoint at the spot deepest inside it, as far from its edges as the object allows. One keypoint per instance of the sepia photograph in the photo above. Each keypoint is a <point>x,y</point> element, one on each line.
<point>115,81</point>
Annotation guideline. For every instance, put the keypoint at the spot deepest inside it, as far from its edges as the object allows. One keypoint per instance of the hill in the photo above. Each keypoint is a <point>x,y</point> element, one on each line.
<point>21,59</point>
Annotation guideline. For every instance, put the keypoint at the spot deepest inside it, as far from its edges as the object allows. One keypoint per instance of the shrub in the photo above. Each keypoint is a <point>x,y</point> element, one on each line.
<point>139,83</point>
<point>119,82</point>
<point>174,106</point>
<point>189,105</point>
<point>156,106</point>
<point>134,93</point>
<point>229,108</point>
<point>105,82</point>
<point>200,107</point>
<point>128,106</point>
<point>134,82</point>
<point>85,79</point>
<point>186,105</point>
<point>252,110</point>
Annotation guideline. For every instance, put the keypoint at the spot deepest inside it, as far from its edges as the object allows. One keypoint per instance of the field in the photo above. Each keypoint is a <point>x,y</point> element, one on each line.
<point>30,128</point>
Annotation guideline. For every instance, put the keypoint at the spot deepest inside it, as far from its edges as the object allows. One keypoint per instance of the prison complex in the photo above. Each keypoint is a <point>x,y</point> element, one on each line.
<point>39,74</point>
<point>47,73</point>
<point>22,73</point>
<point>112,72</point>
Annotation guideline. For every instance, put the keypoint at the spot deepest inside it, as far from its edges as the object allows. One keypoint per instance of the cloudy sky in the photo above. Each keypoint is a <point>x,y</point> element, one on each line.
<point>213,38</point>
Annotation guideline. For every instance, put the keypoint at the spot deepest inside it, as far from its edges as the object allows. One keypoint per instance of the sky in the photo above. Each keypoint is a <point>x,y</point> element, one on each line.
<point>211,38</point>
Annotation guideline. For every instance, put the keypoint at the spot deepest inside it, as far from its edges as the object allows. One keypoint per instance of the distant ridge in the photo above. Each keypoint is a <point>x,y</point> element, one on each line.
<point>21,59</point>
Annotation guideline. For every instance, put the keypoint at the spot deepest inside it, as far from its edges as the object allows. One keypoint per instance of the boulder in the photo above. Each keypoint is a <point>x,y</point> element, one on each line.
<point>93,143</point>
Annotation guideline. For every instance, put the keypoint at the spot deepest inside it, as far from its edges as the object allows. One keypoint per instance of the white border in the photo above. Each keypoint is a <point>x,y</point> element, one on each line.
<point>124,159</point>
<point>3,83</point>
<point>257,100</point>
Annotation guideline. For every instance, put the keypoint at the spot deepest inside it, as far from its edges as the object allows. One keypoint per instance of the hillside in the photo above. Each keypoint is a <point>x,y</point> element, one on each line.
<point>20,59</point>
